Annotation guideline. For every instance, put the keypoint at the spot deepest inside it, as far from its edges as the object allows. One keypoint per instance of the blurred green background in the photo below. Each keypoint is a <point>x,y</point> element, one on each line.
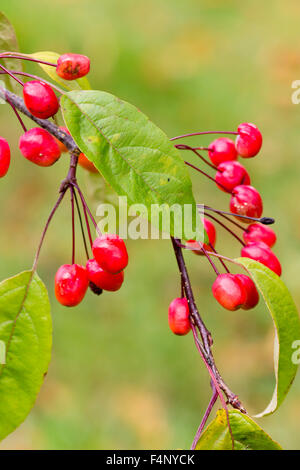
<point>119,379</point>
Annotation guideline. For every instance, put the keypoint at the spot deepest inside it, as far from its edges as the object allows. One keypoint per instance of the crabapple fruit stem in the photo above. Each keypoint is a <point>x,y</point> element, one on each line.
<point>36,77</point>
<point>205,174</point>
<point>262,220</point>
<point>220,259</point>
<point>81,225</point>
<point>17,115</point>
<point>73,224</point>
<point>194,150</point>
<point>85,206</point>
<point>61,196</point>
<point>203,133</point>
<point>11,75</point>
<point>206,415</point>
<point>210,260</point>
<point>31,59</point>
<point>225,227</point>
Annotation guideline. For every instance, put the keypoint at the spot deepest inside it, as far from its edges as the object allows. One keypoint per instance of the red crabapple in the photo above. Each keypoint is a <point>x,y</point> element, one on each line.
<point>40,99</point>
<point>261,252</point>
<point>222,150</point>
<point>71,283</point>
<point>249,140</point>
<point>72,66</point>
<point>84,162</point>
<point>4,157</point>
<point>179,316</point>
<point>252,296</point>
<point>230,175</point>
<point>102,279</point>
<point>229,291</point>
<point>246,200</point>
<point>110,253</point>
<point>39,146</point>
<point>260,233</point>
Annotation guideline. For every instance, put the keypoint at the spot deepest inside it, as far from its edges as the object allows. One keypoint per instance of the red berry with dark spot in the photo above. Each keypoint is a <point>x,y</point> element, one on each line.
<point>229,291</point>
<point>40,99</point>
<point>212,235</point>
<point>179,316</point>
<point>71,283</point>
<point>72,66</point>
<point>103,279</point>
<point>39,146</point>
<point>110,253</point>
<point>261,252</point>
<point>4,157</point>
<point>260,233</point>
<point>252,296</point>
<point>246,200</point>
<point>249,140</point>
<point>230,175</point>
<point>222,150</point>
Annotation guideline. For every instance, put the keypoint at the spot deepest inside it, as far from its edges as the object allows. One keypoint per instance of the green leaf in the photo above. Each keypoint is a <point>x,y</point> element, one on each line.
<point>9,43</point>
<point>26,331</point>
<point>48,56</point>
<point>246,433</point>
<point>287,327</point>
<point>135,157</point>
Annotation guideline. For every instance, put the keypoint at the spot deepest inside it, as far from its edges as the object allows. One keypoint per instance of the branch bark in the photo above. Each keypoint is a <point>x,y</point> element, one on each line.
<point>49,126</point>
<point>206,337</point>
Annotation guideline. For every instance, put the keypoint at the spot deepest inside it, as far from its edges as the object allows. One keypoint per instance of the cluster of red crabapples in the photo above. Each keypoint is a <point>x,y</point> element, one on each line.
<point>232,291</point>
<point>105,271</point>
<point>37,144</point>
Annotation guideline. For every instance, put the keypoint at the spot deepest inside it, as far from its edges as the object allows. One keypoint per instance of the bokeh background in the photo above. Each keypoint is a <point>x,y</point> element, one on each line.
<point>118,378</point>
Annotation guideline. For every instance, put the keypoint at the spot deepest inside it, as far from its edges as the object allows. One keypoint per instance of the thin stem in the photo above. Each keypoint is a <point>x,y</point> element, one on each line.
<point>220,259</point>
<point>11,75</point>
<point>81,225</point>
<point>208,176</point>
<point>206,415</point>
<point>230,260</point>
<point>210,260</point>
<point>66,139</point>
<point>87,208</point>
<point>17,114</point>
<point>86,217</point>
<point>185,247</point>
<point>194,150</point>
<point>20,56</point>
<point>36,77</point>
<point>262,220</point>
<point>203,133</point>
<point>214,380</point>
<point>73,224</point>
<point>61,196</point>
<point>205,349</point>
<point>229,220</point>
<point>205,334</point>
<point>225,227</point>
